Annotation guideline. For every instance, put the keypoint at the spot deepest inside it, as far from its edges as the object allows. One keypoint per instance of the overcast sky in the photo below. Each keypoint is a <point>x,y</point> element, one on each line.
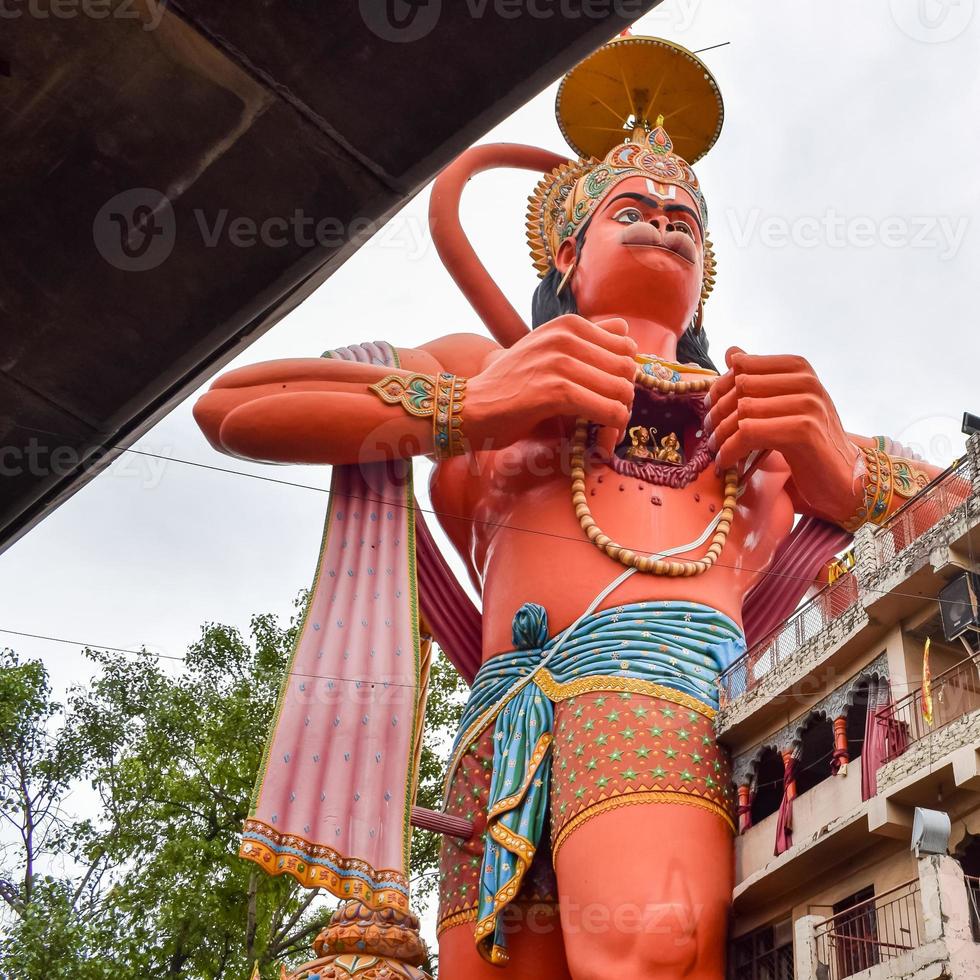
<point>843,197</point>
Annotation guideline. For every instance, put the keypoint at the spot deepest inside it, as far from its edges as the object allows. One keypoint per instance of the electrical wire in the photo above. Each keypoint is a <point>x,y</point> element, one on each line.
<point>445,515</point>
<point>87,645</point>
<point>169,656</point>
<point>412,506</point>
<point>164,656</point>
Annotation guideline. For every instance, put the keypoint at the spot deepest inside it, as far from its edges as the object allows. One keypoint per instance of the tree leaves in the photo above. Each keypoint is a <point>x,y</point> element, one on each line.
<point>149,883</point>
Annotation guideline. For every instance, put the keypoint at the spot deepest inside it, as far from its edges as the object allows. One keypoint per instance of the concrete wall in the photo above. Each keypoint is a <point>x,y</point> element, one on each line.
<point>964,731</point>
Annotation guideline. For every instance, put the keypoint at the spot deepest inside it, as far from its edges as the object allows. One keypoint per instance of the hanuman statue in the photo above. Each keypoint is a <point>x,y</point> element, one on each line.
<point>619,574</point>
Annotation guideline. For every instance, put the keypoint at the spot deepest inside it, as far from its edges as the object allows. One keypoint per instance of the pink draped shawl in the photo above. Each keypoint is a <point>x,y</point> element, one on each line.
<point>334,793</point>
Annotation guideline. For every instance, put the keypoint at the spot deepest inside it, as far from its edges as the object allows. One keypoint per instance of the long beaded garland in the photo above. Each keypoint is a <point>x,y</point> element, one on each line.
<point>674,568</point>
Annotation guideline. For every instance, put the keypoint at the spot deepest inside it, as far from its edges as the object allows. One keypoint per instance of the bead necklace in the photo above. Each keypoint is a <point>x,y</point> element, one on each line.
<point>653,373</point>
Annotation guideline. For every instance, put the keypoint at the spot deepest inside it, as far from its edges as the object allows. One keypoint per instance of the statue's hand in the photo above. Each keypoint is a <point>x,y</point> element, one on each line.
<point>567,367</point>
<point>778,403</point>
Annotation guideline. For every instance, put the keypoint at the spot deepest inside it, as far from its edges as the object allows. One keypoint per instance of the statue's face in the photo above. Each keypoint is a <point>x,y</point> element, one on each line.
<point>643,255</point>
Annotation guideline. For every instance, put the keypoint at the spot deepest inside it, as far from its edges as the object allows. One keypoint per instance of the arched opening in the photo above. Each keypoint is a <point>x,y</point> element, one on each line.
<point>857,718</point>
<point>816,752</point>
<point>768,785</point>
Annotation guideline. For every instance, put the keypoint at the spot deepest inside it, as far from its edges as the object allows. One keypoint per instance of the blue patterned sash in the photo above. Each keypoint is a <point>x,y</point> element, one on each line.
<point>669,649</point>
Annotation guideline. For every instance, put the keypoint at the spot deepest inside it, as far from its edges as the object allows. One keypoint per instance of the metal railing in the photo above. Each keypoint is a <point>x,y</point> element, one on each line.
<point>955,692</point>
<point>783,642</point>
<point>870,932</point>
<point>973,894</point>
<point>925,510</point>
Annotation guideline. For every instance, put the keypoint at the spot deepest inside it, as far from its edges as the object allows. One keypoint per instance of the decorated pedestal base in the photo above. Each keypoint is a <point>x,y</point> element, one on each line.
<point>364,944</point>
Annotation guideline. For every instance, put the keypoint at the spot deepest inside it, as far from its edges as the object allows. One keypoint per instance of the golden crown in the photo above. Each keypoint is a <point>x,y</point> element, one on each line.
<point>602,107</point>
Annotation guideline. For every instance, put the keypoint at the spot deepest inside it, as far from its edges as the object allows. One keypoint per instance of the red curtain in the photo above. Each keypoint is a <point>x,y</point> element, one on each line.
<point>784,827</point>
<point>872,753</point>
<point>799,560</point>
<point>884,737</point>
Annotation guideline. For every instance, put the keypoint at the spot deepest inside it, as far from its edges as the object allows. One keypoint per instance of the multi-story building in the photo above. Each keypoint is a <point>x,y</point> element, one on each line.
<point>834,747</point>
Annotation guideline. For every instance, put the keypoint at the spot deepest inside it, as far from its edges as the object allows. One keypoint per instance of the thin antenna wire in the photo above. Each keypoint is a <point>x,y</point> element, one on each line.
<point>711,47</point>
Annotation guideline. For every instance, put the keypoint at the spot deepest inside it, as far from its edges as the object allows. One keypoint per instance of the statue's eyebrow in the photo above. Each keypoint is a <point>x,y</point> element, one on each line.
<point>654,203</point>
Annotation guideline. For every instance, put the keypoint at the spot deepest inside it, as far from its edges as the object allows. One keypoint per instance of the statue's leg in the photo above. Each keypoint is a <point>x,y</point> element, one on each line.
<point>644,893</point>
<point>643,843</point>
<point>531,923</point>
<point>534,943</point>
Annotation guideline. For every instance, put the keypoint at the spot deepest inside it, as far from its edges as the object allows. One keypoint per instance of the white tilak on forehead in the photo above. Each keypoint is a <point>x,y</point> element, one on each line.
<point>666,191</point>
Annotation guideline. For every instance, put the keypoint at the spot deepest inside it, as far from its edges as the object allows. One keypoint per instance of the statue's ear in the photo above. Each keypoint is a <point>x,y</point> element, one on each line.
<point>565,258</point>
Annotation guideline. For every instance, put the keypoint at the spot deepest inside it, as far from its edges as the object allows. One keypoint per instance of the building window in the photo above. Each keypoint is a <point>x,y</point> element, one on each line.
<point>816,752</point>
<point>768,785</point>
<point>766,954</point>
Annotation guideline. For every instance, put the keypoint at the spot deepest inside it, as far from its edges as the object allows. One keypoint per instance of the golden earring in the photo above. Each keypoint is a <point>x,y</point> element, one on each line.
<point>566,279</point>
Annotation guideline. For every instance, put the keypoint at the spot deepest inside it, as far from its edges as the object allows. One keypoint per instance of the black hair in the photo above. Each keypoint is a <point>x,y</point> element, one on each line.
<point>547,303</point>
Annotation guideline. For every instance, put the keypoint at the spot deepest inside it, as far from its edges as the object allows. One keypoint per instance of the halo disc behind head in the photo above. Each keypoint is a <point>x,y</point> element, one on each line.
<point>631,81</point>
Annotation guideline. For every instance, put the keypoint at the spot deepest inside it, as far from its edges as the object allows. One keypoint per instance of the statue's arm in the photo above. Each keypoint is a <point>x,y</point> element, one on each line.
<point>320,410</point>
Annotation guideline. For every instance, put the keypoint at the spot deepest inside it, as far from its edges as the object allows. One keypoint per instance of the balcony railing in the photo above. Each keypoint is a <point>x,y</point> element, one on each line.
<point>924,511</point>
<point>782,643</point>
<point>973,894</point>
<point>955,692</point>
<point>871,932</point>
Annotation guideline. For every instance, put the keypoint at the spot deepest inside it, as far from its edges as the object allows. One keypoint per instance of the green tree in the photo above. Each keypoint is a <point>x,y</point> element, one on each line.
<point>149,883</point>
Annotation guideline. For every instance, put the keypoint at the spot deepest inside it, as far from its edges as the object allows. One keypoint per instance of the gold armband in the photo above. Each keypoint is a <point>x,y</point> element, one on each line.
<point>439,398</point>
<point>885,478</point>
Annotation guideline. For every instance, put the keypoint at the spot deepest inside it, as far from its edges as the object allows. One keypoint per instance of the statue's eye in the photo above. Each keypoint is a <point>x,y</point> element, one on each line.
<point>684,227</point>
<point>628,216</point>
